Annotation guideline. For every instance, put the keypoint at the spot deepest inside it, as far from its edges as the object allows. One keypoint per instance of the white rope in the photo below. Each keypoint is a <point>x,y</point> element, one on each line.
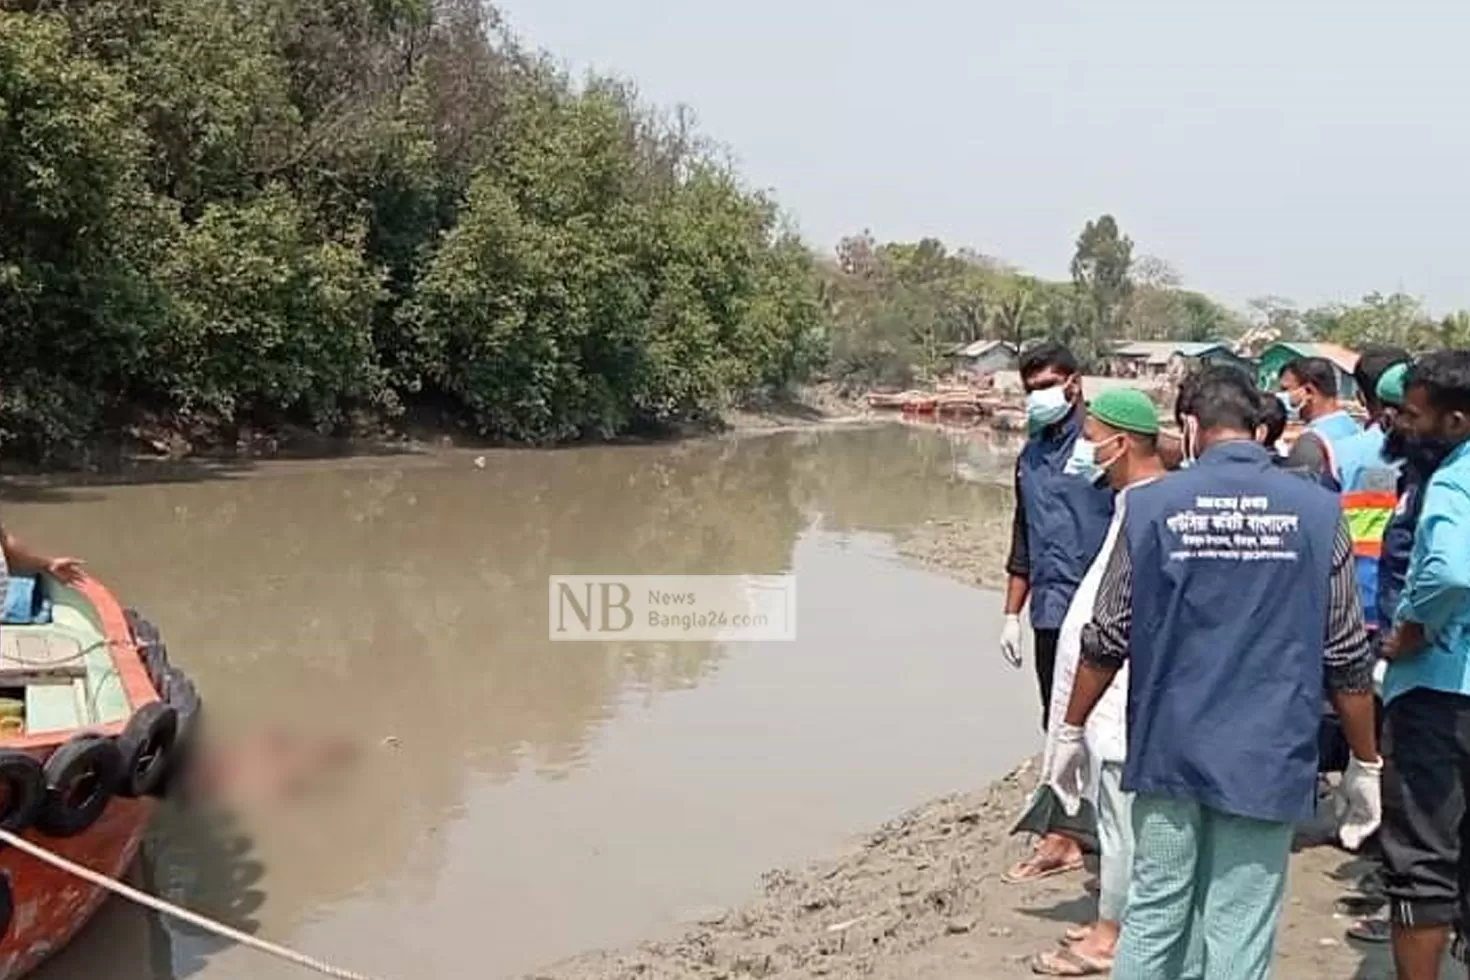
<point>159,905</point>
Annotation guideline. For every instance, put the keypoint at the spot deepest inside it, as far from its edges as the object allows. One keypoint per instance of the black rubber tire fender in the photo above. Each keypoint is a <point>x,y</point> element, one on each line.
<point>147,745</point>
<point>152,649</point>
<point>81,777</point>
<point>25,790</point>
<point>183,697</point>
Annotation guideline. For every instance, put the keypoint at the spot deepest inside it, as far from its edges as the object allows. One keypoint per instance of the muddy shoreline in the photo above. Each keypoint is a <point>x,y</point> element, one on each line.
<point>166,455</point>
<point>921,898</point>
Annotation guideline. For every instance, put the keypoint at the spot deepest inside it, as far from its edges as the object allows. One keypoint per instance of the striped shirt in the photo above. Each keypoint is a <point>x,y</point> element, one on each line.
<point>1345,651</point>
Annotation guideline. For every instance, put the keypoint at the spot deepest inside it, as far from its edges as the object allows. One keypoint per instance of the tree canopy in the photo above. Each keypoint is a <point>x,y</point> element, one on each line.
<point>227,211</point>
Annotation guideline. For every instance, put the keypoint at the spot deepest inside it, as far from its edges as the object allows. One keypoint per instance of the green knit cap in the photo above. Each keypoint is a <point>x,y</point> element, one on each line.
<point>1390,387</point>
<point>1126,408</point>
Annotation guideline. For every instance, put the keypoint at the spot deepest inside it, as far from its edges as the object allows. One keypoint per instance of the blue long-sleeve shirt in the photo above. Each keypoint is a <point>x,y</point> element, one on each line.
<point>1437,588</point>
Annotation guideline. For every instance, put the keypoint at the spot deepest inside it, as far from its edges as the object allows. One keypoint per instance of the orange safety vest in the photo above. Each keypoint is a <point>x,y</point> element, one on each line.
<point>1368,513</point>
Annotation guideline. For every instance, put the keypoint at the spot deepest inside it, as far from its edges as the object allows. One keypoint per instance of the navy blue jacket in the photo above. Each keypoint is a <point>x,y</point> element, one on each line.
<point>1398,541</point>
<point>1231,565</point>
<point>1066,519</point>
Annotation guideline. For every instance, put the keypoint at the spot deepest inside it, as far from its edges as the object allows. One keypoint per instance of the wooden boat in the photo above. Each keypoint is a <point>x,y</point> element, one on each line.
<point>958,403</point>
<point>95,721</point>
<point>920,404</point>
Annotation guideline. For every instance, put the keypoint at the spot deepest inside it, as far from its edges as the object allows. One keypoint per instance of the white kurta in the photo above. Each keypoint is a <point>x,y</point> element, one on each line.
<point>1106,732</point>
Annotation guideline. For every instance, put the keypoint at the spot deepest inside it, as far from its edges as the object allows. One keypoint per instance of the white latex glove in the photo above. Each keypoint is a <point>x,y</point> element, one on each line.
<point>1010,640</point>
<point>1067,774</point>
<point>1362,803</point>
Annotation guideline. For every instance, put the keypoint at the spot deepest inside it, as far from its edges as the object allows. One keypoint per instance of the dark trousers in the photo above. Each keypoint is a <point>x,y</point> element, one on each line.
<point>1426,807</point>
<point>1046,664</point>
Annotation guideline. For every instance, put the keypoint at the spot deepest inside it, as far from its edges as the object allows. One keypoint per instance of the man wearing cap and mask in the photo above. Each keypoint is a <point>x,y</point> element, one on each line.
<point>1224,687</point>
<point>1060,521</point>
<point>1119,447</point>
<point>1398,537</point>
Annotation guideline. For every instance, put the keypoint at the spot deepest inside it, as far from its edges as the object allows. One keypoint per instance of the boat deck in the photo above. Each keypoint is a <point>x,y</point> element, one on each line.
<point>65,668</point>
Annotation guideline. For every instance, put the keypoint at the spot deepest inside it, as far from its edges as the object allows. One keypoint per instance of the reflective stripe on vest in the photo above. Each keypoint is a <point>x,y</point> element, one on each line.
<point>1368,515</point>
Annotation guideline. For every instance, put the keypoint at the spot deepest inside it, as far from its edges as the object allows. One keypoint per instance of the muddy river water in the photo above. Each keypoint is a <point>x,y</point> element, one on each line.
<point>519,801</point>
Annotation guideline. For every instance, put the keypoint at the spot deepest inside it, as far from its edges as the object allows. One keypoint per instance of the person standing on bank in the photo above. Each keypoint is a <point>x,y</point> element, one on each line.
<point>1120,445</point>
<point>1426,727</point>
<point>1309,392</point>
<point>1060,522</point>
<point>1238,577</point>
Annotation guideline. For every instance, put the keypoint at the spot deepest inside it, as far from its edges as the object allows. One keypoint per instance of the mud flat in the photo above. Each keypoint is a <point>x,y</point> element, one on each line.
<point>921,898</point>
<point>970,551</point>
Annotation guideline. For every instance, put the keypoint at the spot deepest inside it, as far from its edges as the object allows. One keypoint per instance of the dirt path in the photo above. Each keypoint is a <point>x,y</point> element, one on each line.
<point>921,899</point>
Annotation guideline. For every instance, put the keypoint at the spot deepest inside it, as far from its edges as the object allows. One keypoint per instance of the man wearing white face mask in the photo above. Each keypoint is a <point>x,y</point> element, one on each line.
<point>1060,522</point>
<point>1224,689</point>
<point>1120,446</point>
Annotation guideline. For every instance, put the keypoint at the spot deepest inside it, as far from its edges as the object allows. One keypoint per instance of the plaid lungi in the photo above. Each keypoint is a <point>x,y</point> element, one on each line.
<point>1205,894</point>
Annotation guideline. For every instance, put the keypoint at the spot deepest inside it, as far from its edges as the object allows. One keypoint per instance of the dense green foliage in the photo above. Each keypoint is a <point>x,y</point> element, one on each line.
<point>217,212</point>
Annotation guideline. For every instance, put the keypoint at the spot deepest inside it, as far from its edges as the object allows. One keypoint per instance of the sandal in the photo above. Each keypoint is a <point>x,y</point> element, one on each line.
<point>1037,867</point>
<point>1076,934</point>
<point>1370,931</point>
<point>1067,962</point>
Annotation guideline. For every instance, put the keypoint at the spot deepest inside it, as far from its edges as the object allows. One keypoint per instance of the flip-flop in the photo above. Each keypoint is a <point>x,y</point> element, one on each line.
<point>1370,931</point>
<point>1077,933</point>
<point>1067,962</point>
<point>1018,874</point>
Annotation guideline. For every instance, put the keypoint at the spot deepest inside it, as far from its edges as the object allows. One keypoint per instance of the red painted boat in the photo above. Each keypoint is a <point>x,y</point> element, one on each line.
<point>95,721</point>
<point>920,404</point>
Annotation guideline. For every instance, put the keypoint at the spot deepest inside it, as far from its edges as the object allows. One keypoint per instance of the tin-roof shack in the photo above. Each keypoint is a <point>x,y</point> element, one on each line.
<point>1150,359</point>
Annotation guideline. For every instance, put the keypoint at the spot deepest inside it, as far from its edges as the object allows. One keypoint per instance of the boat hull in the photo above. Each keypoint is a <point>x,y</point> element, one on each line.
<point>48,906</point>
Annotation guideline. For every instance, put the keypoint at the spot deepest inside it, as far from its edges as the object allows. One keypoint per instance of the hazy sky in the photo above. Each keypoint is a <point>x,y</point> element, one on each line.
<point>1316,150</point>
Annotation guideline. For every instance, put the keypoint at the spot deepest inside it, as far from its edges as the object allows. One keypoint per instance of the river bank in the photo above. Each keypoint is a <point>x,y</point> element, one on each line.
<point>162,446</point>
<point>921,898</point>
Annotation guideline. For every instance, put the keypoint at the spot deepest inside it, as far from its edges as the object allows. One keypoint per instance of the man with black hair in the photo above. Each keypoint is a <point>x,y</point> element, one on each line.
<point>1060,521</point>
<point>1225,687</point>
<point>1427,686</point>
<point>1309,393</point>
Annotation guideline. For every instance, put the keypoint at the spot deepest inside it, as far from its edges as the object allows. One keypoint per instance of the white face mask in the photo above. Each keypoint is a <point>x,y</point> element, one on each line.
<point>1084,462</point>
<point>1047,407</point>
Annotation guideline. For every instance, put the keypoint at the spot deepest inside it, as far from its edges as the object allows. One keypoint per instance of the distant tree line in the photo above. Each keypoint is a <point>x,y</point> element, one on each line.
<point>896,309</point>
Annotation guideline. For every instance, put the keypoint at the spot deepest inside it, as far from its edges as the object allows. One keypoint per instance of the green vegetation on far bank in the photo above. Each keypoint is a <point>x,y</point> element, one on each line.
<point>219,215</point>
